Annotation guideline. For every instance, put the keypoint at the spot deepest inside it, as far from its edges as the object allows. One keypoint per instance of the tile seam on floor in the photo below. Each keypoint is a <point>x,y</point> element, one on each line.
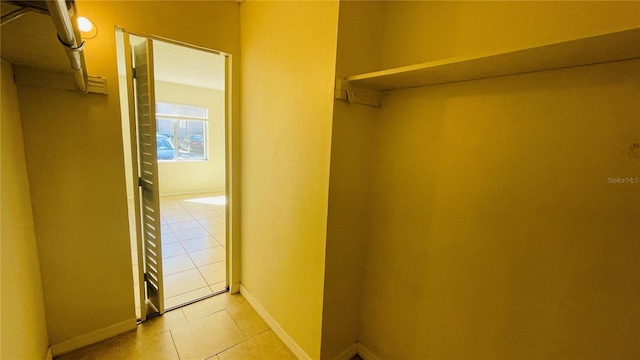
<point>205,279</point>
<point>235,322</point>
<point>213,313</point>
<point>215,262</point>
<point>177,242</point>
<point>232,346</point>
<point>202,287</point>
<point>243,341</point>
<point>188,254</point>
<point>180,210</point>
<point>182,293</point>
<point>260,332</point>
<point>172,256</point>
<point>202,248</point>
<point>177,272</point>
<point>175,347</point>
<point>212,247</point>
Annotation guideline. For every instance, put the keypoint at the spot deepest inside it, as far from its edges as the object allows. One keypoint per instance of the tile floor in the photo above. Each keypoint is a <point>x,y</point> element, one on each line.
<point>193,247</point>
<point>223,327</point>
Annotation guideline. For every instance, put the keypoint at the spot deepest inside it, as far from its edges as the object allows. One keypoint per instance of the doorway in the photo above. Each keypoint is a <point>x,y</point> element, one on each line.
<point>175,123</point>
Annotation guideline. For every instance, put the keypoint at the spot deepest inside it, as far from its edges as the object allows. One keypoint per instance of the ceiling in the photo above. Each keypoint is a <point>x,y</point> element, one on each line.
<point>31,41</point>
<point>182,65</point>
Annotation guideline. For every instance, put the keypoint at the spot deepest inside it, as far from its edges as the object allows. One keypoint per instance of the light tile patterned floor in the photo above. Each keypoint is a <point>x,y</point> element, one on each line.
<point>193,247</point>
<point>224,327</point>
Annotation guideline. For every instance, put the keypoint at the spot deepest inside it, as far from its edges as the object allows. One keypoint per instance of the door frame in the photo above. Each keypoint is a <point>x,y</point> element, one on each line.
<point>232,165</point>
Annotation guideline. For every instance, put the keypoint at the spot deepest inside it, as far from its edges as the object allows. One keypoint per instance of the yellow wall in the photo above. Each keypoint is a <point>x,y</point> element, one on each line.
<point>288,59</point>
<point>195,176</point>
<point>358,51</point>
<point>488,224</point>
<point>419,31</point>
<point>74,158</point>
<point>75,161</point>
<point>24,329</point>
<point>493,230</point>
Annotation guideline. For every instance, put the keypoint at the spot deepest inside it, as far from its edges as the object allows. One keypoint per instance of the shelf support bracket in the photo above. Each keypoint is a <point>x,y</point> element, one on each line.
<point>355,95</point>
<point>65,81</point>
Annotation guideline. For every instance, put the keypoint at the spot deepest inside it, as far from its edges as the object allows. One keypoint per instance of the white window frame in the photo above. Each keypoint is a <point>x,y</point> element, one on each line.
<point>176,118</point>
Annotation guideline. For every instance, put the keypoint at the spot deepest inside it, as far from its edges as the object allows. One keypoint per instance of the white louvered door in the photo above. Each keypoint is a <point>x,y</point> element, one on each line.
<point>148,172</point>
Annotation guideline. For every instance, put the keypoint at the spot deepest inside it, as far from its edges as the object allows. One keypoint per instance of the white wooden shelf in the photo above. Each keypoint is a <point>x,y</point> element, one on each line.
<point>614,46</point>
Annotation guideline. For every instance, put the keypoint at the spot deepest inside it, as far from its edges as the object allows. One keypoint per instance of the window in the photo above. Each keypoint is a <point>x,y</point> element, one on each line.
<point>181,132</point>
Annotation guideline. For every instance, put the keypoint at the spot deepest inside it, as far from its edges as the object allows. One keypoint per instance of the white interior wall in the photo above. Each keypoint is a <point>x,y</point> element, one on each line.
<point>180,177</point>
<point>183,177</point>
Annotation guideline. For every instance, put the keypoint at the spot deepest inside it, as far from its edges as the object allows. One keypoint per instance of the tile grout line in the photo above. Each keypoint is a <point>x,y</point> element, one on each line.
<point>188,253</point>
<point>190,259</point>
<point>163,221</point>
<point>177,272</point>
<point>171,231</point>
<point>235,322</point>
<point>239,328</point>
<point>246,337</point>
<point>175,347</point>
<point>174,296</point>
<point>198,238</point>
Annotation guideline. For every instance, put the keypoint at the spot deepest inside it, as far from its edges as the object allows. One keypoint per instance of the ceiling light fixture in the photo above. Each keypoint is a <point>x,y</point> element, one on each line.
<point>87,28</point>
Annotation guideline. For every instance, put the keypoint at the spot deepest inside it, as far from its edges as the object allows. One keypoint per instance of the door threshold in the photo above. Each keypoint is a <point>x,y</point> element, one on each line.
<point>186,304</point>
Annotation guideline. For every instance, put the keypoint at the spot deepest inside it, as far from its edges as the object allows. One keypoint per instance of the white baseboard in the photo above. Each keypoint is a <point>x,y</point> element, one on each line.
<point>358,349</point>
<point>221,192</point>
<point>348,353</point>
<point>94,337</point>
<point>365,353</point>
<point>234,288</point>
<point>273,324</point>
